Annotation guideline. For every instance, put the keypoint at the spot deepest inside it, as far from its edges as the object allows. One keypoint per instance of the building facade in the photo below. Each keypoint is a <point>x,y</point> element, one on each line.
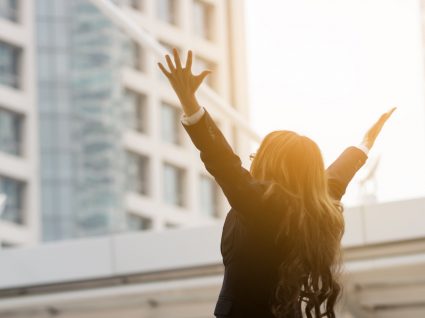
<point>114,156</point>
<point>18,125</point>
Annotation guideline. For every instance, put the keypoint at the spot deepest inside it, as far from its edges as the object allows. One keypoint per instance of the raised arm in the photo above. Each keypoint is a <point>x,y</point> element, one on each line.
<point>242,191</point>
<point>343,169</point>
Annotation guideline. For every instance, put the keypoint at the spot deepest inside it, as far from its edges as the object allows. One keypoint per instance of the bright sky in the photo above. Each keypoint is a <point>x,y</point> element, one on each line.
<point>329,68</point>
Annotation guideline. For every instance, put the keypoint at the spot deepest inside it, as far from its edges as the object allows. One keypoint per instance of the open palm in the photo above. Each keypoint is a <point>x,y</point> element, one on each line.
<point>184,83</point>
<point>373,132</point>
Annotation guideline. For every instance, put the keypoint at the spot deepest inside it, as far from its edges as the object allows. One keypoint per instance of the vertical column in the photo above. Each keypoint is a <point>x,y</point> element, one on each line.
<point>31,136</point>
<point>220,40</point>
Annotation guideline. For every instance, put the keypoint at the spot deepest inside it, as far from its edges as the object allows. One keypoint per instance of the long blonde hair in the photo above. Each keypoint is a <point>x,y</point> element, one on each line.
<point>311,224</point>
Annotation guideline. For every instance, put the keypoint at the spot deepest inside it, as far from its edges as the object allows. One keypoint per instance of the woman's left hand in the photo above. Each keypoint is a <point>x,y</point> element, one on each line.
<point>373,132</point>
<point>184,83</point>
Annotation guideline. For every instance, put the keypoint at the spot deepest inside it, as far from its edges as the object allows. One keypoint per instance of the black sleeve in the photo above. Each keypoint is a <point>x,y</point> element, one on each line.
<point>343,169</point>
<point>243,192</point>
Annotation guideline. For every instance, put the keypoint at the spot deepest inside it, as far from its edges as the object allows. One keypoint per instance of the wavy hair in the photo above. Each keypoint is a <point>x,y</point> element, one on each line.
<point>311,225</point>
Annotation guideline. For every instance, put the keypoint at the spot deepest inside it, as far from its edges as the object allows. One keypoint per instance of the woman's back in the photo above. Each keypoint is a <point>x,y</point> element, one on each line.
<point>251,263</point>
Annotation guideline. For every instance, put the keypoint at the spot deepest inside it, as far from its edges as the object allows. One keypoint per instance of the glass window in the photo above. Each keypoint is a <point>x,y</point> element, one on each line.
<point>137,56</point>
<point>137,223</point>
<point>5,244</point>
<point>62,35</point>
<point>61,8</point>
<point>169,47</point>
<point>200,64</point>
<point>137,173</point>
<point>11,126</point>
<point>9,9</point>
<point>10,57</point>
<point>136,115</point>
<point>170,124</point>
<point>167,10</point>
<point>136,4</point>
<point>202,19</point>
<point>134,56</point>
<point>46,8</point>
<point>171,225</point>
<point>208,196</point>
<point>14,208</point>
<point>173,185</point>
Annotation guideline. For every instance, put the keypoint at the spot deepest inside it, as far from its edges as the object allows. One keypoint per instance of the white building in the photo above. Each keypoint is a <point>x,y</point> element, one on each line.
<point>113,153</point>
<point>18,125</point>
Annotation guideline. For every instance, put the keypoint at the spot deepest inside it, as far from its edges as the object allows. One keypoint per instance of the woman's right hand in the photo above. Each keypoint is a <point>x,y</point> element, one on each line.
<point>184,83</point>
<point>373,132</point>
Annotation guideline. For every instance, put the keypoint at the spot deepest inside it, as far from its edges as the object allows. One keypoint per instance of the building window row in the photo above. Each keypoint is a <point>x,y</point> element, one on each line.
<point>136,118</point>
<point>11,128</point>
<point>13,211</point>
<point>174,185</point>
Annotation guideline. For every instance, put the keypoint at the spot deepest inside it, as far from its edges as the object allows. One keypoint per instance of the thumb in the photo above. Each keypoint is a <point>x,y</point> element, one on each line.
<point>200,78</point>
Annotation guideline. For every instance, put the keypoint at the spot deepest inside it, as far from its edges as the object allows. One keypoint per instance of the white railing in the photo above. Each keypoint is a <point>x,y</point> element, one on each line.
<point>387,224</point>
<point>138,34</point>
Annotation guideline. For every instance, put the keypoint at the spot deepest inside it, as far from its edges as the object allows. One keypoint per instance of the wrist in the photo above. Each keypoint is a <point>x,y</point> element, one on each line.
<point>367,143</point>
<point>190,106</point>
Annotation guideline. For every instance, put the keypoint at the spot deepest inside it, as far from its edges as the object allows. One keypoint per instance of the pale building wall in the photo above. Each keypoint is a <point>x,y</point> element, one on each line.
<point>19,101</point>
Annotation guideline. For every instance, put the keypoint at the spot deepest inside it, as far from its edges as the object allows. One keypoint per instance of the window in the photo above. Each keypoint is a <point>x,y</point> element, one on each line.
<point>202,19</point>
<point>170,124</point>
<point>167,11</point>
<point>9,9</point>
<point>136,116</point>
<point>137,173</point>
<point>11,125</point>
<point>136,58</point>
<point>208,196</point>
<point>169,47</point>
<point>171,225</point>
<point>173,185</point>
<point>14,208</point>
<point>137,223</point>
<point>5,244</point>
<point>10,57</point>
<point>200,65</point>
<point>136,4</point>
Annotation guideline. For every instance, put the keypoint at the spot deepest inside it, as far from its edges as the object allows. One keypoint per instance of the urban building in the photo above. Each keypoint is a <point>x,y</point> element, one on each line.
<point>19,218</point>
<point>114,156</point>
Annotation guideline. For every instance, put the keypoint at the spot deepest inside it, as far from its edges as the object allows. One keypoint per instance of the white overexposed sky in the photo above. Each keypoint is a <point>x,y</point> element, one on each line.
<point>329,68</point>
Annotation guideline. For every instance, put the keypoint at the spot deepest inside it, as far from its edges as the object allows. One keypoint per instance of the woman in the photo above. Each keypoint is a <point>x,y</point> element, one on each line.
<point>281,239</point>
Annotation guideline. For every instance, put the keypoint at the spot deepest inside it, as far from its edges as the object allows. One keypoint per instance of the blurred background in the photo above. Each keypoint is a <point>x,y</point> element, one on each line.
<point>105,208</point>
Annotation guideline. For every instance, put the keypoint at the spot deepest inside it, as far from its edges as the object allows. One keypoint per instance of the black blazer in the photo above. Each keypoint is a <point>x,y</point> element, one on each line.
<point>247,243</point>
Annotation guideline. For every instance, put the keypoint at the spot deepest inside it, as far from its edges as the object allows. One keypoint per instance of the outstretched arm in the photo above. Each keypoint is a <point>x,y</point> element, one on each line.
<point>343,169</point>
<point>243,192</point>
